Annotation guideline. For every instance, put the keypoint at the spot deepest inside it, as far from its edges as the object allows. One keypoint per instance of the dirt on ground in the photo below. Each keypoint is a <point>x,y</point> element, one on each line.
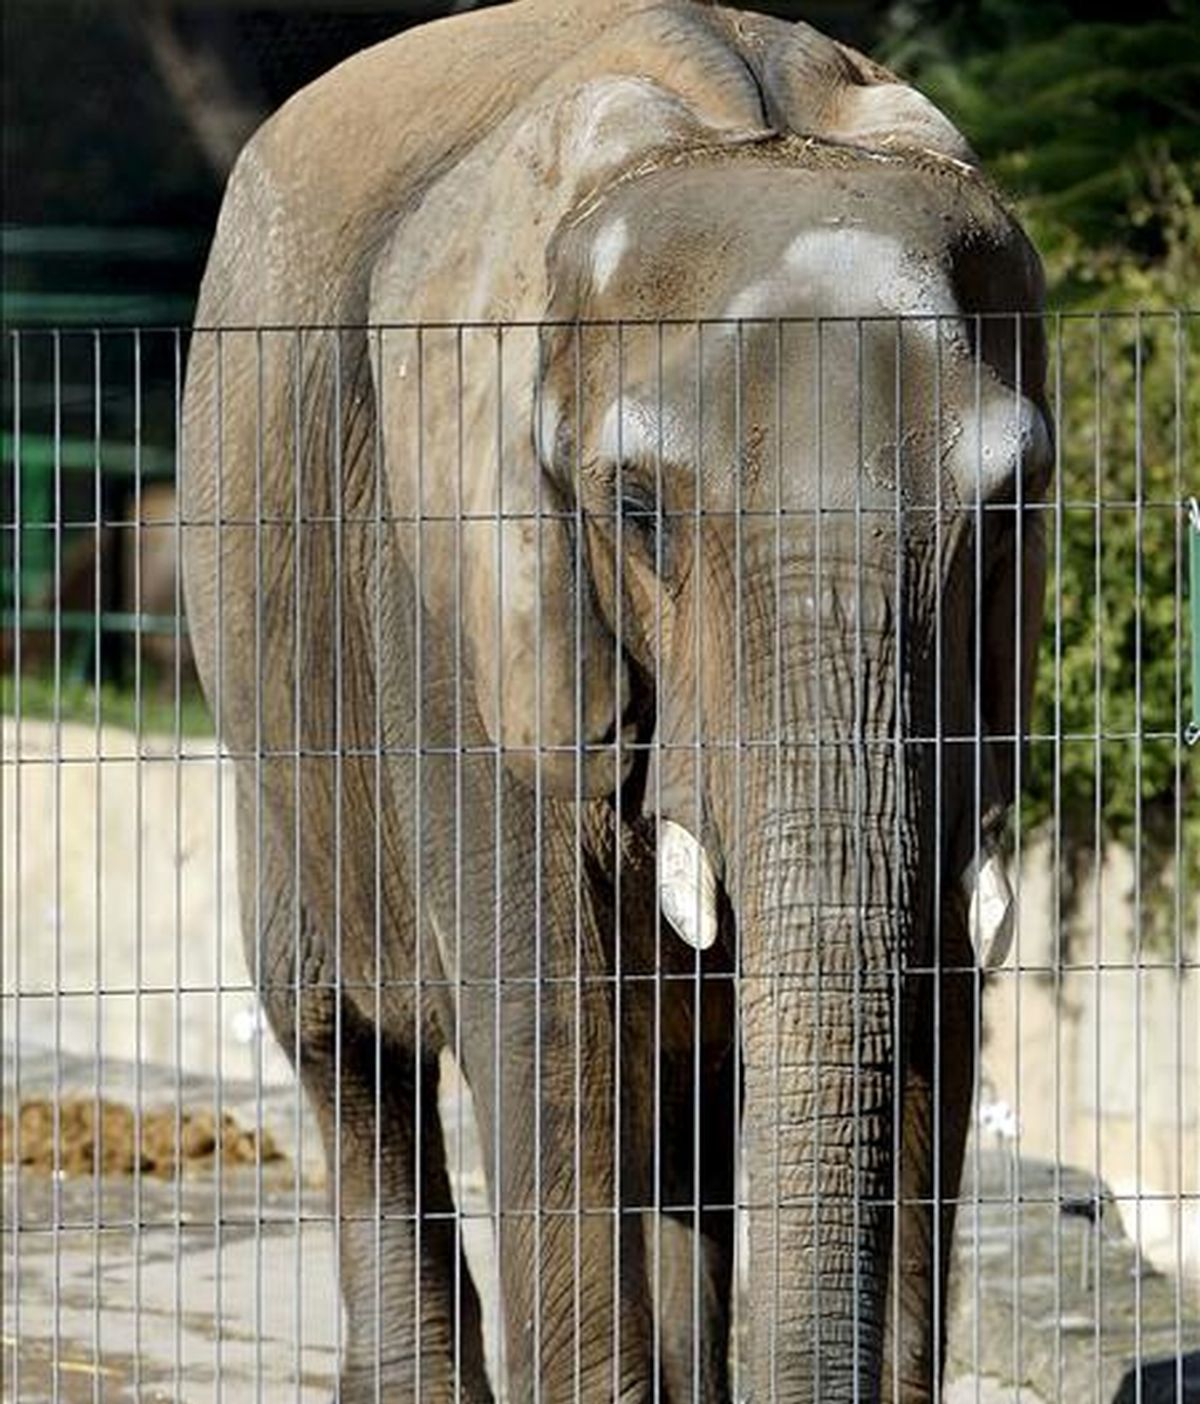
<point>96,1135</point>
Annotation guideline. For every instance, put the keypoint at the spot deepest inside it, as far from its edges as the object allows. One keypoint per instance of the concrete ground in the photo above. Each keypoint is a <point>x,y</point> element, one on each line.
<point>182,1316</point>
<point>119,937</point>
<point>173,1311</point>
<point>220,1286</point>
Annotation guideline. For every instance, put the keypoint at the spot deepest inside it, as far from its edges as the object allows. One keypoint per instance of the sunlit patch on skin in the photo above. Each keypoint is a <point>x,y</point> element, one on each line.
<point>878,113</point>
<point>870,269</point>
<point>610,248</point>
<point>762,298</point>
<point>632,429</point>
<point>445,947</point>
<point>1007,439</point>
<point>618,114</point>
<point>854,271</point>
<point>549,416</point>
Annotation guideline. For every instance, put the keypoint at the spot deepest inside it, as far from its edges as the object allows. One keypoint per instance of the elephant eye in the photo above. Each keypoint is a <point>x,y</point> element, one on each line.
<point>639,516</point>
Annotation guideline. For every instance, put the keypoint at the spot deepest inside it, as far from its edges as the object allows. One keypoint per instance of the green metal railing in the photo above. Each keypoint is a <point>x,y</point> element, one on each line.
<point>87,414</point>
<point>71,276</point>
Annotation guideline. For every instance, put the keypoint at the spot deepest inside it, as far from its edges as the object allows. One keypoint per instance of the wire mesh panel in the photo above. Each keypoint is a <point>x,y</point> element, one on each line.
<point>661,863</point>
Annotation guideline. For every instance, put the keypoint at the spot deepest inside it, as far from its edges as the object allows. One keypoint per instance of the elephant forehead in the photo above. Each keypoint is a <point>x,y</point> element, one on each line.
<point>844,271</point>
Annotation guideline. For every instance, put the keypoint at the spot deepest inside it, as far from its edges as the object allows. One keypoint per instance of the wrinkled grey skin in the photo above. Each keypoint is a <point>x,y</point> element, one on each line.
<point>580,161</point>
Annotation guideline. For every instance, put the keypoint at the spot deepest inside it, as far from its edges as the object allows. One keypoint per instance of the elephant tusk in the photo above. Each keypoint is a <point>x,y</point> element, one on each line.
<point>991,907</point>
<point>687,886</point>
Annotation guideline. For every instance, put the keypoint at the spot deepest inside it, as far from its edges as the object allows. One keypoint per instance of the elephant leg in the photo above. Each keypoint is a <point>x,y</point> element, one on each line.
<point>936,1114</point>
<point>559,1068</point>
<point>413,1330</point>
<point>690,1245</point>
<point>569,1255</point>
<point>362,1086</point>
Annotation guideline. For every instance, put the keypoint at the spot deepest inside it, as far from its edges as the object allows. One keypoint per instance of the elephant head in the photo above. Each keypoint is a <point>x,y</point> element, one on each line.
<point>760,555</point>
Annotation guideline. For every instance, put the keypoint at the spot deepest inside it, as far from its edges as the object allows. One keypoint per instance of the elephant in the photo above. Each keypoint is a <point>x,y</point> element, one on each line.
<point>613,441</point>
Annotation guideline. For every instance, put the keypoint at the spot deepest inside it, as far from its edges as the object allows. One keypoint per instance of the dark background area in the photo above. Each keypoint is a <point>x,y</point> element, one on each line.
<point>121,119</point>
<point>126,117</point>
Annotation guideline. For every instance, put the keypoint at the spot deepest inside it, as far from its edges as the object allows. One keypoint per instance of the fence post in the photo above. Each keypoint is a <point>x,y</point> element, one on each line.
<point>1192,734</point>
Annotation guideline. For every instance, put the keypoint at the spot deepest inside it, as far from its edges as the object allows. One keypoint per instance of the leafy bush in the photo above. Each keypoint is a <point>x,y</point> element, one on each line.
<point>1115,652</point>
<point>1092,129</point>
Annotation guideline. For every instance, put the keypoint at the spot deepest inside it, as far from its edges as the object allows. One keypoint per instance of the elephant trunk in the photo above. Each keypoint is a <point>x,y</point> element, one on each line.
<point>829,889</point>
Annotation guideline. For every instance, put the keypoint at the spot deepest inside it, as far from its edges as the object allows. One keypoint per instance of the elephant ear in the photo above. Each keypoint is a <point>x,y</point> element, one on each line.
<point>548,681</point>
<point>1011,614</point>
<point>816,87</point>
<point>1009,621</point>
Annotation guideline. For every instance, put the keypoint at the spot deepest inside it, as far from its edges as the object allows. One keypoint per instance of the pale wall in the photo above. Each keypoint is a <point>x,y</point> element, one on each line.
<point>1103,1072</point>
<point>120,874</point>
<point>126,874</point>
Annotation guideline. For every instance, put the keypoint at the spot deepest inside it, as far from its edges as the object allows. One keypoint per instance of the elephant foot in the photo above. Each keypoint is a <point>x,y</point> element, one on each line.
<point>398,1381</point>
<point>909,1392</point>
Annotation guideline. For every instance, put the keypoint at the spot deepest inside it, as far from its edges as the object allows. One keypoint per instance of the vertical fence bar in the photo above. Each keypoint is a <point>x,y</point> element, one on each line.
<point>697,996</point>
<point>822,744</point>
<point>1181,533</point>
<point>1139,493</point>
<point>139,859</point>
<point>538,892</point>
<point>656,763</point>
<point>57,833</point>
<point>939,819</point>
<point>1018,772</point>
<point>516,1210</point>
<point>1056,839</point>
<point>699,742</point>
<point>618,1179</point>
<point>375,339</point>
<point>740,761</point>
<point>740,753</point>
<point>259,742</point>
<point>339,780</point>
<point>739,780</point>
<point>459,605</point>
<point>977,820</point>
<point>419,1113</point>
<point>98,818</point>
<point>755,1205</point>
<point>177,849</point>
<point>577,1146</point>
<point>861,743</point>
<point>1098,835</point>
<point>898,958</point>
<point>18,817</point>
<point>219,852</point>
<point>297,973</point>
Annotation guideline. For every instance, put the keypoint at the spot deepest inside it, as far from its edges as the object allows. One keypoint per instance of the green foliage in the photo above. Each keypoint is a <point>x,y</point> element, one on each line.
<point>153,713</point>
<point>1073,116</point>
<point>1113,671</point>
<point>1093,128</point>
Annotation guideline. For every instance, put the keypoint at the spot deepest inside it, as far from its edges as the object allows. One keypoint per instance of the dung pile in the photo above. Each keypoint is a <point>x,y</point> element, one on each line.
<point>103,1136</point>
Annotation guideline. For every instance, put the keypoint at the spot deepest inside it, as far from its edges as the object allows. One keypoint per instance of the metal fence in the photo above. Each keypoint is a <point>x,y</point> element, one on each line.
<point>733,938</point>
